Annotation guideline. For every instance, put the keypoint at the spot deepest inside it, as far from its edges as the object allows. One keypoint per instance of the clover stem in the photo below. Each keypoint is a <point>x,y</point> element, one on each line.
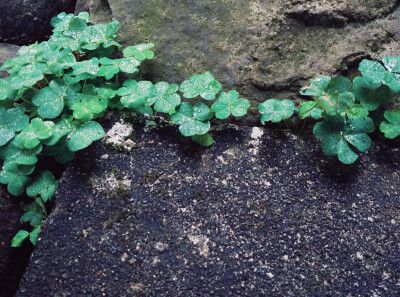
<point>84,84</point>
<point>27,101</point>
<point>116,78</point>
<point>307,111</point>
<point>304,124</point>
<point>286,124</point>
<point>45,79</point>
<point>130,76</point>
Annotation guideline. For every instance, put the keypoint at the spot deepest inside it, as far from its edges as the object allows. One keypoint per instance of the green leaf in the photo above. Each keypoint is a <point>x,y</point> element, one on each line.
<point>391,127</point>
<point>318,86</point>
<point>19,238</point>
<point>61,128</point>
<point>336,103</point>
<point>369,95</point>
<point>140,51</point>
<point>136,95</point>
<point>94,37</point>
<point>204,140</point>
<point>44,185</point>
<point>203,85</point>
<point>230,103</point>
<point>6,92</point>
<point>36,131</point>
<point>392,80</point>
<point>34,234</point>
<point>21,155</point>
<point>357,110</point>
<point>392,64</point>
<point>166,98</point>
<point>275,110</point>
<point>309,108</point>
<point>51,99</point>
<point>338,134</point>
<point>60,151</point>
<point>34,213</point>
<point>129,65</point>
<point>82,136</point>
<point>15,177</point>
<point>373,71</point>
<point>86,67</point>
<point>192,119</point>
<point>11,121</point>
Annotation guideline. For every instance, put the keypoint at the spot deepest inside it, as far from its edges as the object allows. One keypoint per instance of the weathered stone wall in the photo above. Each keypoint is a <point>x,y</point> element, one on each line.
<point>263,49</point>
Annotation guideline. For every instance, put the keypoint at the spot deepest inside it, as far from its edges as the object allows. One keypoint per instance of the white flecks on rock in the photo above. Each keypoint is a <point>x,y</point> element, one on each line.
<point>117,135</point>
<point>160,246</point>
<point>256,134</point>
<point>201,241</point>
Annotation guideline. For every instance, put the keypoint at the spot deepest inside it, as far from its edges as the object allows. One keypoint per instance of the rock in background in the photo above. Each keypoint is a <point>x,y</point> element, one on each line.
<point>26,21</point>
<point>263,49</point>
<point>7,51</point>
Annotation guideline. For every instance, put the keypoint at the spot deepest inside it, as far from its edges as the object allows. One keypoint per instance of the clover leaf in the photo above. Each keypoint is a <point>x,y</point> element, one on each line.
<point>62,127</point>
<point>374,72</point>
<point>337,134</point>
<point>318,86</point>
<point>36,131</point>
<point>230,103</point>
<point>357,110</point>
<point>140,51</point>
<point>203,85</point>
<point>204,140</point>
<point>19,238</point>
<point>16,177</point>
<point>192,120</point>
<point>86,67</point>
<point>275,110</point>
<point>34,213</point>
<point>309,108</point>
<point>166,99</point>
<point>50,100</point>
<point>19,154</point>
<point>83,135</point>
<point>391,127</point>
<point>369,95</point>
<point>34,234</point>
<point>100,35</point>
<point>44,185</point>
<point>11,121</point>
<point>332,95</point>
<point>60,151</point>
<point>136,95</point>
<point>6,92</point>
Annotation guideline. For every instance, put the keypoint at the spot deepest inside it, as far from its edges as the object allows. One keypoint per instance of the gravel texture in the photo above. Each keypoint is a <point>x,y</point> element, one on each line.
<point>260,213</point>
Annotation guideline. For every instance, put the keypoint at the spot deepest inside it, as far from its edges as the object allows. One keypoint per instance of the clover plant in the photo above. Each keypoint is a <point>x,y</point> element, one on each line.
<point>347,110</point>
<point>58,89</point>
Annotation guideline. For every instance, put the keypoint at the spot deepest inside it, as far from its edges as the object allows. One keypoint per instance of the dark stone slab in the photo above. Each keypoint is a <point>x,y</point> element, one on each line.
<point>260,213</point>
<point>26,21</point>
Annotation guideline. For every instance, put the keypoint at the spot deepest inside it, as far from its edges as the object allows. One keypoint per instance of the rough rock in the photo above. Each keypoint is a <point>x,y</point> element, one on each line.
<point>7,51</point>
<point>264,49</point>
<point>260,213</point>
<point>12,261</point>
<point>26,21</point>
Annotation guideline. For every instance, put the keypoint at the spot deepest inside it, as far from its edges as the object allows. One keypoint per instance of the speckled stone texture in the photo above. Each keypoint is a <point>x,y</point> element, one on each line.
<point>262,48</point>
<point>26,21</point>
<point>7,51</point>
<point>260,213</point>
